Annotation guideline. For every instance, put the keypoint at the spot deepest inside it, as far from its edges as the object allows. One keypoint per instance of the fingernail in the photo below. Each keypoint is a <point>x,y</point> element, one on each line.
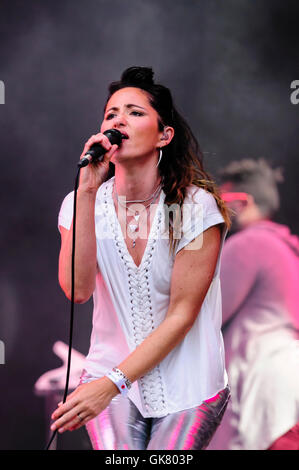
<point>53,427</point>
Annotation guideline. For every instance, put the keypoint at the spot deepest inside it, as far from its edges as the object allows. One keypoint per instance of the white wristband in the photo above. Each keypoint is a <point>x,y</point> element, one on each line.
<point>121,381</point>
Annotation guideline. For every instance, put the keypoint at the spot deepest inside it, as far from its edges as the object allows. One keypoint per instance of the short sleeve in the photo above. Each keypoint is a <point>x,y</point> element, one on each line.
<point>199,212</point>
<point>65,216</point>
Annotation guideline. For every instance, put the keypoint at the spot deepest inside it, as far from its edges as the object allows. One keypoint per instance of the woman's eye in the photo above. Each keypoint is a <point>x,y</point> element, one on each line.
<point>137,113</point>
<point>133,113</point>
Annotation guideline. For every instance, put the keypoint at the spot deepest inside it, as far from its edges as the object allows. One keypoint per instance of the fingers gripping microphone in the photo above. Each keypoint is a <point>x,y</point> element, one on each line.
<point>97,151</point>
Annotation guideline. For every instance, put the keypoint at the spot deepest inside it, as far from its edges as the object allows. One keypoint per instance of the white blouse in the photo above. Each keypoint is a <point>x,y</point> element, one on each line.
<point>131,301</point>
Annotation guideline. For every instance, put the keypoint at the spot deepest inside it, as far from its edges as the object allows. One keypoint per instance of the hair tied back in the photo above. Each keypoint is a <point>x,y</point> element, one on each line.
<point>138,76</point>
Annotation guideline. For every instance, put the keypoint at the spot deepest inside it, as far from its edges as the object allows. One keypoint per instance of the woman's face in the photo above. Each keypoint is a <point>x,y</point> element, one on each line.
<point>129,111</point>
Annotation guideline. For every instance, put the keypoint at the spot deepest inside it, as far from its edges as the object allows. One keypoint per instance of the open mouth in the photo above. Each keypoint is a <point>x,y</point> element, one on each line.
<point>124,136</point>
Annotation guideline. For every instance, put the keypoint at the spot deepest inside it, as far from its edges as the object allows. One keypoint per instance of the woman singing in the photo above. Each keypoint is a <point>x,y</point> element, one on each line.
<point>150,228</point>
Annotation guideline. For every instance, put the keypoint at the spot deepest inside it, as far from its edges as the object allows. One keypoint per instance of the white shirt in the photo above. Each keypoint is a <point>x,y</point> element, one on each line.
<point>131,301</point>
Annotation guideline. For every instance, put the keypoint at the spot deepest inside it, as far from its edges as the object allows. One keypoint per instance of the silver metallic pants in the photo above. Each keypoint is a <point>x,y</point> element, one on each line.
<point>121,426</point>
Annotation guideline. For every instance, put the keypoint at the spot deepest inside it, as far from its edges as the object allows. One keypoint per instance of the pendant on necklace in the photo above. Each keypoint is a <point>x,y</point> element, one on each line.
<point>133,227</point>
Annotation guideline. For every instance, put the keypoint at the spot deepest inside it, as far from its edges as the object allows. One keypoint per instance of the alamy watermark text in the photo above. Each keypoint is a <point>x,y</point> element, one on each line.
<point>2,352</point>
<point>295,94</point>
<point>2,92</point>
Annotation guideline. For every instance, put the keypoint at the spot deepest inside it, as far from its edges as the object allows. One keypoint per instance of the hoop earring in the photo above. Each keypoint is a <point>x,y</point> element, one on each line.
<point>160,156</point>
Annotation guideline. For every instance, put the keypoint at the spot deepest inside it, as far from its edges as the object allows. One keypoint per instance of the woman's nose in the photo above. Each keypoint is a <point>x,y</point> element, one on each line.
<point>119,121</point>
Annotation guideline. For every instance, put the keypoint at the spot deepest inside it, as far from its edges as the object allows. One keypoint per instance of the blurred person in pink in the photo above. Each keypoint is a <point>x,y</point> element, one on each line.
<point>260,279</point>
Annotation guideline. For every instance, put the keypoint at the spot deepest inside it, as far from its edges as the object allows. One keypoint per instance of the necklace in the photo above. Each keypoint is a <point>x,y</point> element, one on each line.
<point>134,227</point>
<point>139,200</point>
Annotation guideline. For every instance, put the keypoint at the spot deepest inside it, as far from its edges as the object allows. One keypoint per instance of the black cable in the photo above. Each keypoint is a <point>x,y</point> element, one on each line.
<point>72,301</point>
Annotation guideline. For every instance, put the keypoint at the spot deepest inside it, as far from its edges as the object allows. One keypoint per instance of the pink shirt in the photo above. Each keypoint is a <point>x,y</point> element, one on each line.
<point>260,286</point>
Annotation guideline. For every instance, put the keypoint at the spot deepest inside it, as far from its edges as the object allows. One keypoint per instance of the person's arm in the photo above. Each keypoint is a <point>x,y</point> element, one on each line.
<point>238,273</point>
<point>91,177</point>
<point>191,277</point>
<point>85,253</point>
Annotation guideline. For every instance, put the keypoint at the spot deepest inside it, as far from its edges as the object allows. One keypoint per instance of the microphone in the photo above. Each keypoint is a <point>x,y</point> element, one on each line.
<point>97,151</point>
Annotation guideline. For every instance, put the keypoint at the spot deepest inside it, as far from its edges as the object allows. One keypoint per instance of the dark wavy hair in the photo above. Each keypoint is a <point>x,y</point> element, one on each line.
<point>182,162</point>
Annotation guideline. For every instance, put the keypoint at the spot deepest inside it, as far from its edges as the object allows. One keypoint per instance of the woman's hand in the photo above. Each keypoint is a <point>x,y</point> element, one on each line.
<point>94,174</point>
<point>85,403</point>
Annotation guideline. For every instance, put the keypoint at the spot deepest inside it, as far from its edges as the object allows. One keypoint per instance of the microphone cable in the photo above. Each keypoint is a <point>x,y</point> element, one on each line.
<point>71,326</point>
<point>96,152</point>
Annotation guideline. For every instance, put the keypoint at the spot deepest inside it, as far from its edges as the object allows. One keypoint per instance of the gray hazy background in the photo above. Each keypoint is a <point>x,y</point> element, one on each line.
<point>229,65</point>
